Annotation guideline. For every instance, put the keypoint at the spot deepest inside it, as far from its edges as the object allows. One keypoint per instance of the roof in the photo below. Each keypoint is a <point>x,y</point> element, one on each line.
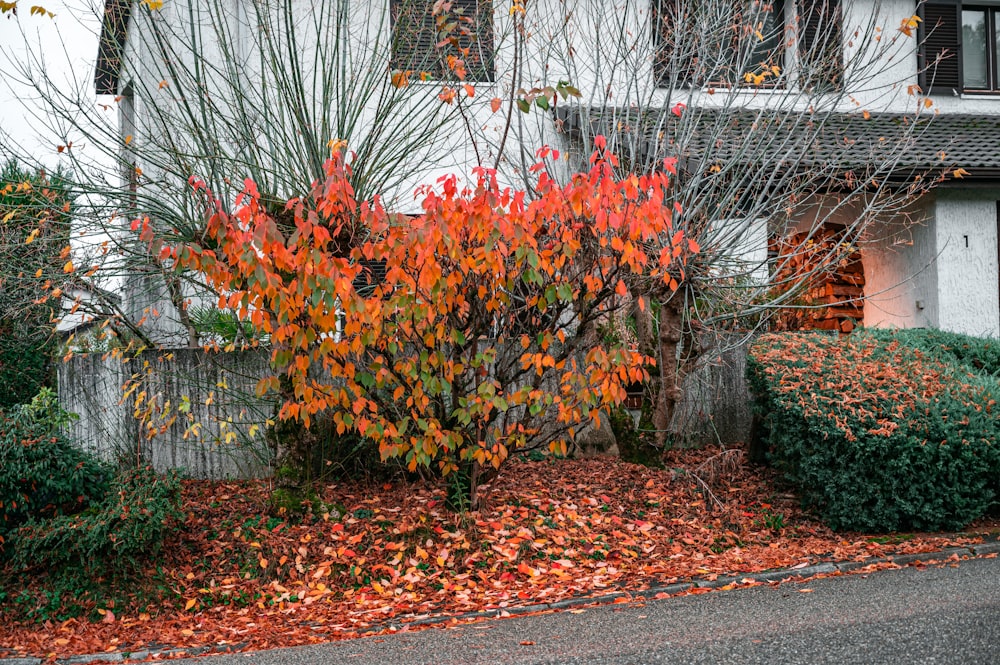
<point>909,143</point>
<point>112,42</point>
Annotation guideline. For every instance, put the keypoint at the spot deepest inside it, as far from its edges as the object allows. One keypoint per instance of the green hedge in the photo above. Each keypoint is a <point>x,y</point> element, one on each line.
<point>878,434</point>
<point>974,354</point>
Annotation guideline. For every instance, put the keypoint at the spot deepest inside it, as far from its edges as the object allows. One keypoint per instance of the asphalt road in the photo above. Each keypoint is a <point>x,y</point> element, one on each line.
<point>936,615</point>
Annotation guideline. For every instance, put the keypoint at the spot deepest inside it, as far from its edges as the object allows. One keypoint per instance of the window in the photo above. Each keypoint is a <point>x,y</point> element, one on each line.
<point>718,42</point>
<point>457,43</point>
<point>742,42</point>
<point>979,48</point>
<point>960,48</point>
<point>819,39</point>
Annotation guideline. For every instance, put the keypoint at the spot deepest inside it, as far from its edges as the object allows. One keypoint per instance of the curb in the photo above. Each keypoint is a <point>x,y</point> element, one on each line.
<point>991,545</point>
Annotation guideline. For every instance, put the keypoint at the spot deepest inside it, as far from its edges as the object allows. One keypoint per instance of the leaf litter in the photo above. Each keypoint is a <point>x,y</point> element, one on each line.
<point>235,576</point>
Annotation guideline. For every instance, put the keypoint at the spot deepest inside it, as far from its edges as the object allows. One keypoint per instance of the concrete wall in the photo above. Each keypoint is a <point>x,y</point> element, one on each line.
<point>182,409</point>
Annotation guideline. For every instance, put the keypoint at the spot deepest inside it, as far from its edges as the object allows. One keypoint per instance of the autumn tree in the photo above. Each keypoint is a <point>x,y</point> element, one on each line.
<point>455,337</point>
<point>34,260</point>
<point>787,121</point>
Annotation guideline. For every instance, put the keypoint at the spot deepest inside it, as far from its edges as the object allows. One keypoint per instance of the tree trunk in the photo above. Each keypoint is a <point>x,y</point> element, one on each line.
<point>644,328</point>
<point>177,299</point>
<point>670,374</point>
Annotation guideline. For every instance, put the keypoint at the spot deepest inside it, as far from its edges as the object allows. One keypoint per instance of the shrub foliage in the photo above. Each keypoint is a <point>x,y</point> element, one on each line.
<point>478,335</point>
<point>974,354</point>
<point>125,528</point>
<point>42,474</point>
<point>34,246</point>
<point>877,434</point>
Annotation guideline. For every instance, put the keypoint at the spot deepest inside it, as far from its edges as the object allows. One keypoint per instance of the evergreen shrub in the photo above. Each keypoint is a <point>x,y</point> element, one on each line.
<point>42,474</point>
<point>976,354</point>
<point>126,528</point>
<point>879,431</point>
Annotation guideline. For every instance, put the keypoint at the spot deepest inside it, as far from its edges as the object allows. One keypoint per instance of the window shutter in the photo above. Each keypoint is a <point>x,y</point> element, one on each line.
<point>479,62</point>
<point>660,16</point>
<point>940,51</point>
<point>415,38</point>
<point>674,55</point>
<point>820,37</point>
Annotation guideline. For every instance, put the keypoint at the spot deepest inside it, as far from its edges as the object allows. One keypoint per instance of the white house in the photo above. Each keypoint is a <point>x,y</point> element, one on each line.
<point>892,106</point>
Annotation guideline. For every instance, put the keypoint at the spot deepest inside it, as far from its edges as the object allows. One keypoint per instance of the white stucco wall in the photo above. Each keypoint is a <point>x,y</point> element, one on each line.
<point>603,48</point>
<point>966,237</point>
<point>900,271</point>
<point>938,269</point>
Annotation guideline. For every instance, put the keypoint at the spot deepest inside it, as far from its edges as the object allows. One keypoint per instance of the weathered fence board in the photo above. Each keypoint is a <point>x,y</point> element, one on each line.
<point>197,411</point>
<point>185,408</point>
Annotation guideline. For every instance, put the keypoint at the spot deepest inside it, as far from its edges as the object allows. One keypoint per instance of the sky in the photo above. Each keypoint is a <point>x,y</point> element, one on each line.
<point>65,48</point>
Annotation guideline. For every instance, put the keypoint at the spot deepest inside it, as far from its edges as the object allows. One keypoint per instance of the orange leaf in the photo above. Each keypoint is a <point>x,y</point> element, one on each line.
<point>495,104</point>
<point>189,604</point>
<point>400,79</point>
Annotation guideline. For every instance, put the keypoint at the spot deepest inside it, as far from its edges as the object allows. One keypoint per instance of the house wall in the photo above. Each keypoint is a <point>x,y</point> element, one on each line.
<point>900,271</point>
<point>966,239</point>
<point>937,266</point>
<point>587,52</point>
<point>605,50</point>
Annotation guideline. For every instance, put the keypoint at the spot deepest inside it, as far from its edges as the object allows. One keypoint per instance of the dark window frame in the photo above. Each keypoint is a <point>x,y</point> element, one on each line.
<point>940,54</point>
<point>993,75</point>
